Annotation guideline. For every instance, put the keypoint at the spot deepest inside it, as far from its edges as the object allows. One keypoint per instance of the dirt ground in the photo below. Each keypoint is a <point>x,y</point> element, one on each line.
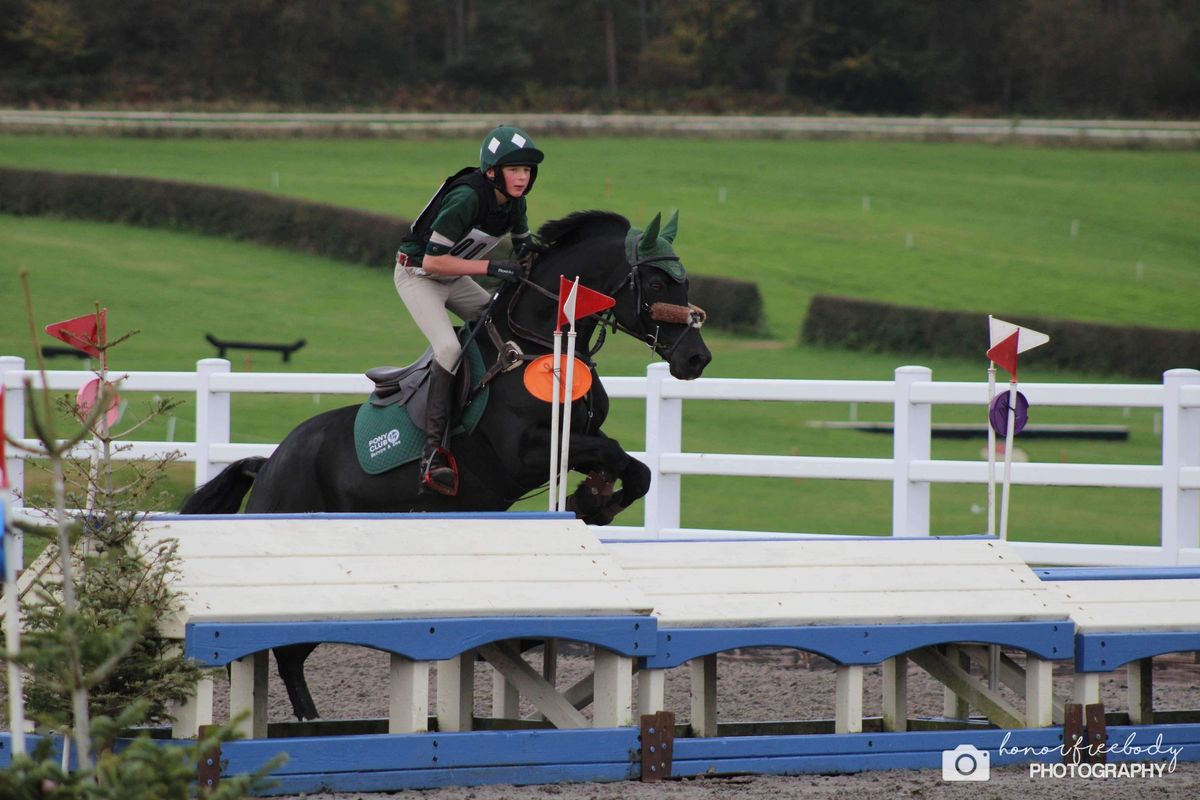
<point>766,684</point>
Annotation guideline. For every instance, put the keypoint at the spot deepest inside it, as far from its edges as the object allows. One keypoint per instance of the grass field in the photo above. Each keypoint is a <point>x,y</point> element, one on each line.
<point>991,230</point>
<point>991,226</point>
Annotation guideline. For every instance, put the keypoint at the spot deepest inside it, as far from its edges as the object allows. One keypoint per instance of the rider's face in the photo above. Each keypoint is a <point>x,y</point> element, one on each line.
<point>516,178</point>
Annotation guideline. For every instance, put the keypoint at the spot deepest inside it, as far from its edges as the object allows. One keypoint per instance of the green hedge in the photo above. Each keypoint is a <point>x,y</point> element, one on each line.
<point>342,234</point>
<point>330,231</point>
<point>731,304</point>
<point>1079,346</point>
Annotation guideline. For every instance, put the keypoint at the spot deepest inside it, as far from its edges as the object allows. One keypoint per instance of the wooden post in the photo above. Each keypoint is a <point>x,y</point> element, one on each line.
<point>612,702</point>
<point>954,706</point>
<point>506,698</point>
<point>248,692</point>
<point>704,695</point>
<point>456,692</point>
<point>1141,691</point>
<point>652,689</point>
<point>1039,692</point>
<point>895,694</point>
<point>195,712</point>
<point>408,706</point>
<point>549,665</point>
<point>1086,688</point>
<point>848,705</point>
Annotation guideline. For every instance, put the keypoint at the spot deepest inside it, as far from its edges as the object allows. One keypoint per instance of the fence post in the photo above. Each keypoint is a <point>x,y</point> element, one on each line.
<point>664,434</point>
<point>1180,448</point>
<point>212,415</point>
<point>910,442</point>
<point>14,424</point>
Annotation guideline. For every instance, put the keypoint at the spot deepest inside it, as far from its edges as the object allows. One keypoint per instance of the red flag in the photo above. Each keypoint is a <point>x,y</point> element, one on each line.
<point>1005,354</point>
<point>84,333</point>
<point>587,302</point>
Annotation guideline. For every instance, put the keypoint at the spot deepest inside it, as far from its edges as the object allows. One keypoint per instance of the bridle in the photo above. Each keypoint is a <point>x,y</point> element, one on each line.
<point>670,313</point>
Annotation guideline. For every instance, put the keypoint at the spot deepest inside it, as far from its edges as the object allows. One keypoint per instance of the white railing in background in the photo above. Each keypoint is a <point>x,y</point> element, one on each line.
<point>911,470</point>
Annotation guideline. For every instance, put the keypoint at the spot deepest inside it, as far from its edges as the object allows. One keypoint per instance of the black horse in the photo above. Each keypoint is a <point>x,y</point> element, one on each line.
<point>316,469</point>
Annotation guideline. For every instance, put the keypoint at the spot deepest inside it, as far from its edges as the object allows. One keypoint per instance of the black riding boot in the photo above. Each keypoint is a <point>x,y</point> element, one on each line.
<point>438,469</point>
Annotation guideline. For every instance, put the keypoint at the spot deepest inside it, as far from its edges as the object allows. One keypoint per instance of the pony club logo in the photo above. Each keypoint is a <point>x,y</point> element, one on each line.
<point>383,442</point>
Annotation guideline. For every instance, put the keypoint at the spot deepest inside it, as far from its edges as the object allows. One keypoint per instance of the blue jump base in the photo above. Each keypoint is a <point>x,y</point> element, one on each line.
<point>862,644</point>
<point>215,644</point>
<point>423,761</point>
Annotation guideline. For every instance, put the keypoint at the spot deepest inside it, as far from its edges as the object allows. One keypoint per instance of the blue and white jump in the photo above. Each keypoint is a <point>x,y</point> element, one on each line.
<point>441,590</point>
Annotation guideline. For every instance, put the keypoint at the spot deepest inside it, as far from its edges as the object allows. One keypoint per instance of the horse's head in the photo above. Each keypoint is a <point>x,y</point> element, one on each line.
<point>653,303</point>
<point>637,268</point>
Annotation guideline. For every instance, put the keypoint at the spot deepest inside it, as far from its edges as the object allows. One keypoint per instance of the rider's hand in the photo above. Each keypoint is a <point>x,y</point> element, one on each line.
<point>504,270</point>
<point>527,249</point>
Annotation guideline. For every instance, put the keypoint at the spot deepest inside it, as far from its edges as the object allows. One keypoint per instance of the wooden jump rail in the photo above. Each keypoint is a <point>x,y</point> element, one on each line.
<point>284,350</point>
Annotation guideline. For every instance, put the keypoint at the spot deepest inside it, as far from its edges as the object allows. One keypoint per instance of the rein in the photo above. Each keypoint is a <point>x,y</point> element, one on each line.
<point>669,313</point>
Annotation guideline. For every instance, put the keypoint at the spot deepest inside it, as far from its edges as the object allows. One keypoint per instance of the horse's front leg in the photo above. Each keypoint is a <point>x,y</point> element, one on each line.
<point>605,461</point>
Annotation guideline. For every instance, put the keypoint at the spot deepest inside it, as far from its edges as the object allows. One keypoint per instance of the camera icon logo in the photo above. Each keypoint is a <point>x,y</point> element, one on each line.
<point>966,763</point>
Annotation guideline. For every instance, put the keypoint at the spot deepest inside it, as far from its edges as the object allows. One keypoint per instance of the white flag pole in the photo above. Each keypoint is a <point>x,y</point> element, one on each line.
<point>556,374</point>
<point>993,650</point>
<point>991,452</point>
<point>568,392</point>
<point>1008,446</point>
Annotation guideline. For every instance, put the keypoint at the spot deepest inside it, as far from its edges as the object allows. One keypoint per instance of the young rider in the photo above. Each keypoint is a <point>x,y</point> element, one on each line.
<point>447,244</point>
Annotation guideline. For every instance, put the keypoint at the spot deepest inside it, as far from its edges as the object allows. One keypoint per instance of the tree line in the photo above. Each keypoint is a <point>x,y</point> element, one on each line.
<point>982,57</point>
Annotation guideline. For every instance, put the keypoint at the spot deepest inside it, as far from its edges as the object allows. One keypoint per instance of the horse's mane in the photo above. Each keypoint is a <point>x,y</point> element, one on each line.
<point>581,225</point>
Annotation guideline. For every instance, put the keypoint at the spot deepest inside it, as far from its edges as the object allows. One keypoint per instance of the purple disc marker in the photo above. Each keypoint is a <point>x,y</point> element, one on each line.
<point>998,414</point>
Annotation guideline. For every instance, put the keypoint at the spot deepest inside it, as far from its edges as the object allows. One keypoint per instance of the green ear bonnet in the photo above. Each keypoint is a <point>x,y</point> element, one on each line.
<point>652,247</point>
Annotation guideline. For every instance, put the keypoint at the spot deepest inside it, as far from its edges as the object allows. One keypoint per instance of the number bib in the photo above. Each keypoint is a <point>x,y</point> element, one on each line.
<point>474,244</point>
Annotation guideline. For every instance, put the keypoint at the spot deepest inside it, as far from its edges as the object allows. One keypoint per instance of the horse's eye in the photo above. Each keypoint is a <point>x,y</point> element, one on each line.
<point>656,287</point>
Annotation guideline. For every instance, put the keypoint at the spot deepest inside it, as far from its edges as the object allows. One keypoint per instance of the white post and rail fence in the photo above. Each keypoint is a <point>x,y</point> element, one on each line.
<point>911,470</point>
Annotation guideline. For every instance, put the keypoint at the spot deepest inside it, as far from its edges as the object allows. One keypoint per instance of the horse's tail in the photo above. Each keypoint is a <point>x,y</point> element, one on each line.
<point>224,493</point>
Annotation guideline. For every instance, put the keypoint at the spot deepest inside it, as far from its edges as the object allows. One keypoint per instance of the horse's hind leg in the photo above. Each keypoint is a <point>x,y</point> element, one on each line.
<point>290,661</point>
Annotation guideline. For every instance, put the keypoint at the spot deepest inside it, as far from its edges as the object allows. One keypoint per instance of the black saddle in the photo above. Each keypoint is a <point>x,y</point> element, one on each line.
<point>409,386</point>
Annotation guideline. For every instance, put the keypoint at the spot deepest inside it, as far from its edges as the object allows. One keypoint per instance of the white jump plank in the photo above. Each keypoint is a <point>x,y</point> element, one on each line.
<point>1132,605</point>
<point>1148,617</point>
<point>411,601</point>
<point>1131,591</point>
<point>879,608</point>
<point>812,554</point>
<point>286,570</point>
<point>824,579</point>
<point>237,538</point>
<point>806,582</point>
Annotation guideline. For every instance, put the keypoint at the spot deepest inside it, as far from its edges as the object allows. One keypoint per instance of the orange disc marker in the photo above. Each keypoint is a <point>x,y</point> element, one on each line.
<point>540,377</point>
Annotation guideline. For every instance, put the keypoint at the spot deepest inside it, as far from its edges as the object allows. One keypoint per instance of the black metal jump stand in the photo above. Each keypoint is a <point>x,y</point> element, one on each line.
<point>284,350</point>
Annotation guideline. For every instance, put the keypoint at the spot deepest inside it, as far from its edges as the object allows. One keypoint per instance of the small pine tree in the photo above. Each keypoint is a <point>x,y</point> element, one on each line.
<point>95,662</point>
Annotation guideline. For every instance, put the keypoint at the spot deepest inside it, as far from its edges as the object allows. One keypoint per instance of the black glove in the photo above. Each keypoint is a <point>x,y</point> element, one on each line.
<point>528,246</point>
<point>504,270</point>
<point>528,250</point>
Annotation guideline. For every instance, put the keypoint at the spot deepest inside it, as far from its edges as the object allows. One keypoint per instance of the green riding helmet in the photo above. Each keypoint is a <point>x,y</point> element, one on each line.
<point>508,144</point>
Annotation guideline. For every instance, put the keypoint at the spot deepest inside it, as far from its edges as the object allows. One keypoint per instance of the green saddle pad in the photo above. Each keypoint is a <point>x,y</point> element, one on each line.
<point>386,437</point>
